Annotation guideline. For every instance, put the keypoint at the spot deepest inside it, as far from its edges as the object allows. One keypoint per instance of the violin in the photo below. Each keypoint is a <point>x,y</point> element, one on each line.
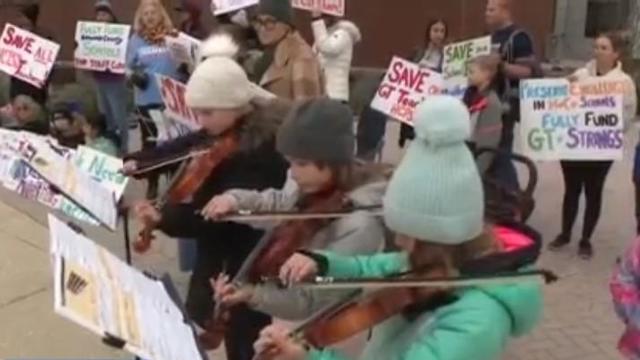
<point>354,315</point>
<point>187,181</point>
<point>273,250</point>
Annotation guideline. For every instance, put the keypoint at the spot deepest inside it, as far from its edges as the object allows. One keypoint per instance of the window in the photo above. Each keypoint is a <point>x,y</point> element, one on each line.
<point>605,15</point>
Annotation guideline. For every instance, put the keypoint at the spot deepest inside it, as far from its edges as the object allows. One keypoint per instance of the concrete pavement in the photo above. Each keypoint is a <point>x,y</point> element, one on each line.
<point>579,322</point>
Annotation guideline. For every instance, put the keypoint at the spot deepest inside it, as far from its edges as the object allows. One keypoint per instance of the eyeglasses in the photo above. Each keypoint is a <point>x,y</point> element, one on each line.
<point>267,23</point>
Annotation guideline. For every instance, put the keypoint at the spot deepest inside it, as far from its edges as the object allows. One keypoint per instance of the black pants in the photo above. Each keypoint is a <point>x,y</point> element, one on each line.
<point>148,134</point>
<point>213,257</point>
<point>579,175</point>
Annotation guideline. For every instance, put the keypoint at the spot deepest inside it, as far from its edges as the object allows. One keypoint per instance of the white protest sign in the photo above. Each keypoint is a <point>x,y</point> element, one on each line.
<point>101,46</point>
<point>330,7</point>
<point>168,129</point>
<point>219,7</point>
<point>456,58</point>
<point>98,291</point>
<point>404,87</point>
<point>183,48</point>
<point>103,168</point>
<point>572,121</point>
<point>26,56</point>
<point>173,92</point>
<point>74,183</point>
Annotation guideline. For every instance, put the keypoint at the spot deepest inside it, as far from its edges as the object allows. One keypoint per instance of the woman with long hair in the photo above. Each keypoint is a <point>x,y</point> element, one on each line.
<point>429,55</point>
<point>591,175</point>
<point>147,57</point>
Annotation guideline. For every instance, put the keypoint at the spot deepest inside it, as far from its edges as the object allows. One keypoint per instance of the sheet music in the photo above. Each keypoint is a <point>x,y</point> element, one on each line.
<point>74,183</point>
<point>100,292</point>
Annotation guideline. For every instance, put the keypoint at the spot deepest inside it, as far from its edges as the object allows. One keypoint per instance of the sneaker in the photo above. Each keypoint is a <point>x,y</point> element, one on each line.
<point>560,242</point>
<point>585,250</point>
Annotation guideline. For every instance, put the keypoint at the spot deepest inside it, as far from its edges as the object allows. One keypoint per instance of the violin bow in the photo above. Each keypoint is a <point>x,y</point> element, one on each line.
<point>247,215</point>
<point>164,163</point>
<point>331,283</point>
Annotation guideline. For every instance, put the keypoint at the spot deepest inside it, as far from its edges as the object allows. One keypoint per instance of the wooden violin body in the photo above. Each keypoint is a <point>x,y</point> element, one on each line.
<point>188,179</point>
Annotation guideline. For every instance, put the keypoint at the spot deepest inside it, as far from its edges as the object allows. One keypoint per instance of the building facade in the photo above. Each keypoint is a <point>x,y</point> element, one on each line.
<point>389,27</point>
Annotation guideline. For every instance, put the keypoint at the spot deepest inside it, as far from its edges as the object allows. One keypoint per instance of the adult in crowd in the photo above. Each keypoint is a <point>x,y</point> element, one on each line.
<point>288,67</point>
<point>482,97</point>
<point>590,176</point>
<point>112,88</point>
<point>429,55</point>
<point>334,41</point>
<point>28,20</point>
<point>190,14</point>
<point>24,113</point>
<point>515,47</point>
<point>248,160</point>
<point>147,57</point>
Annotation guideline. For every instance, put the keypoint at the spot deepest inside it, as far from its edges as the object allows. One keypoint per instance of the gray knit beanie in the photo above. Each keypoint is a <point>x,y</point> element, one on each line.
<point>318,130</point>
<point>280,10</point>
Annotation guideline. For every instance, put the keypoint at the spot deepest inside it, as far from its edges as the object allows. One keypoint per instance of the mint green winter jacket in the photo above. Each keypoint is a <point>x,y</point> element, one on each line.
<point>476,326</point>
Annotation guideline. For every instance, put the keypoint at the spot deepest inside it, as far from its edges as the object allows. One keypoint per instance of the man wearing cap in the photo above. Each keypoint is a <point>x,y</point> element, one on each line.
<point>288,68</point>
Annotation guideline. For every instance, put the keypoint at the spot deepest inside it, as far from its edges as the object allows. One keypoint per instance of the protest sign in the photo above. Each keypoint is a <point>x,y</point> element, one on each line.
<point>98,291</point>
<point>168,128</point>
<point>456,58</point>
<point>184,48</point>
<point>172,92</point>
<point>101,46</point>
<point>405,85</point>
<point>26,56</point>
<point>219,7</point>
<point>572,121</point>
<point>105,170</point>
<point>330,7</point>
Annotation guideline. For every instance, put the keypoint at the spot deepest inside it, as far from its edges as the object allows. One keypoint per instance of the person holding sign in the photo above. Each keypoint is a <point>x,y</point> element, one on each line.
<point>590,176</point>
<point>429,55</point>
<point>288,67</point>
<point>334,47</point>
<point>244,156</point>
<point>147,56</point>
<point>28,20</point>
<point>439,227</point>
<point>112,89</point>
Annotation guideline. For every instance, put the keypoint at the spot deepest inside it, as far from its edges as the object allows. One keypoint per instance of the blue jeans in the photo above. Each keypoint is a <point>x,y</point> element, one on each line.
<point>112,103</point>
<point>187,251</point>
<point>504,170</point>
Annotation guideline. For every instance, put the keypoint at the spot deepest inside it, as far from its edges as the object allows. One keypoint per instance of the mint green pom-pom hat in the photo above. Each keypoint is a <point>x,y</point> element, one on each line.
<point>436,193</point>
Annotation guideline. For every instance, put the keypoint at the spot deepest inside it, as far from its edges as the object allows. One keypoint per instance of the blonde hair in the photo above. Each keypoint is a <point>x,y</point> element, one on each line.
<point>165,27</point>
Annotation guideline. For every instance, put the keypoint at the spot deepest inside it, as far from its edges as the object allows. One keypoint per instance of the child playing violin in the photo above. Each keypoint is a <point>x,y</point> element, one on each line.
<point>434,203</point>
<point>318,141</point>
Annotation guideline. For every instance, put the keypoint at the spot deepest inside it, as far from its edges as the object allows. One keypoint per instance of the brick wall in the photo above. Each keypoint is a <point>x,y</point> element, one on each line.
<point>389,27</point>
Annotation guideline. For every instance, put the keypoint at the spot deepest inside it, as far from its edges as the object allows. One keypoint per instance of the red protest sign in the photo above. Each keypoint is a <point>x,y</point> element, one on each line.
<point>172,92</point>
<point>331,7</point>
<point>26,56</point>
<point>404,87</point>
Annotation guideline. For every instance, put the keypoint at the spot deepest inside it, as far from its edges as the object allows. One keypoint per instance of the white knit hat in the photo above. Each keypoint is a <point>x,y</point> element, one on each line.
<point>219,82</point>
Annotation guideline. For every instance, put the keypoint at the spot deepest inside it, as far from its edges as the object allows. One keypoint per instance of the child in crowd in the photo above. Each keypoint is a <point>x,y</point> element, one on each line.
<point>626,299</point>
<point>97,137</point>
<point>66,127</point>
<point>24,113</point>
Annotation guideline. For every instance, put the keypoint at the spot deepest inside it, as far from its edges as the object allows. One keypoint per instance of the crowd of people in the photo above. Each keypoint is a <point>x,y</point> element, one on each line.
<point>280,136</point>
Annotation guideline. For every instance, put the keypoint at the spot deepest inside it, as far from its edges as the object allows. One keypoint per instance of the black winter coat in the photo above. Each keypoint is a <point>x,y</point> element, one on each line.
<point>225,244</point>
